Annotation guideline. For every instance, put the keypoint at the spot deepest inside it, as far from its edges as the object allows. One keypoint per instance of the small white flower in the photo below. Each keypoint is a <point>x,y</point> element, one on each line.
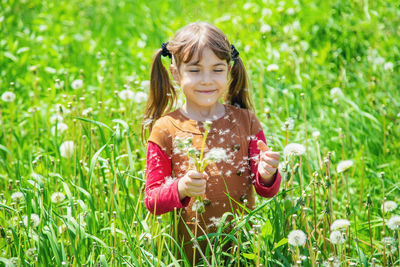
<point>336,92</point>
<point>337,237</point>
<point>389,206</point>
<point>145,85</point>
<point>77,84</point>
<point>294,149</point>
<point>344,165</point>
<point>140,97</point>
<point>61,127</point>
<point>17,196</point>
<point>67,149</point>
<point>388,66</point>
<point>265,28</point>
<point>297,238</point>
<point>57,197</point>
<point>394,222</point>
<point>216,154</point>
<point>316,134</point>
<point>34,221</point>
<point>8,96</point>
<point>126,94</point>
<point>87,111</point>
<point>272,67</point>
<point>340,224</point>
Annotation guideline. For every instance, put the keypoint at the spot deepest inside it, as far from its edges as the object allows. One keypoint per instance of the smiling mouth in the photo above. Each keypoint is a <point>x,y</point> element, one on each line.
<point>206,91</point>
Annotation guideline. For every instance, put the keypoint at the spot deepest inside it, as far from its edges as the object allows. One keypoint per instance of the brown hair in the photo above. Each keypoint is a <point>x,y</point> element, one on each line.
<point>188,42</point>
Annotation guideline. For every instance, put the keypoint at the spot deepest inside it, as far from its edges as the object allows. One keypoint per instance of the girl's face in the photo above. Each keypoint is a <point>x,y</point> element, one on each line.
<point>202,82</point>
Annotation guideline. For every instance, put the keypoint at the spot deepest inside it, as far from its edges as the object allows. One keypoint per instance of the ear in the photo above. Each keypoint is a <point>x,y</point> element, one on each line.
<point>175,73</point>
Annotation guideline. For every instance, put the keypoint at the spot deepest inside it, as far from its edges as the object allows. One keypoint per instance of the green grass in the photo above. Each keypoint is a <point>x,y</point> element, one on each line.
<point>317,45</point>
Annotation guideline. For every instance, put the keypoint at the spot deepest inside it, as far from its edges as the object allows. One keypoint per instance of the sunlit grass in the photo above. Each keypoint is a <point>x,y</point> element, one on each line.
<point>76,73</point>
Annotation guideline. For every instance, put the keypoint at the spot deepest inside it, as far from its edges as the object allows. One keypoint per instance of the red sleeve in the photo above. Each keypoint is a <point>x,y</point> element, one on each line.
<point>161,194</point>
<point>254,152</point>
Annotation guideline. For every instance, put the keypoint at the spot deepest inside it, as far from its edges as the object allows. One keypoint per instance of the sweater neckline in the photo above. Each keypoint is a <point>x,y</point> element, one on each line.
<point>186,124</point>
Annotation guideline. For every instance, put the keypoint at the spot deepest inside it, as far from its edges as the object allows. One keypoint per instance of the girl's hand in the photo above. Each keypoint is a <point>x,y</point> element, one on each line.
<point>269,162</point>
<point>193,184</point>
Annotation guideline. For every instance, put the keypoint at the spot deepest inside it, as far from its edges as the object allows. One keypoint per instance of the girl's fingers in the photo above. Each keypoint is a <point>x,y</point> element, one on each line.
<point>273,163</point>
<point>270,170</point>
<point>271,154</point>
<point>262,146</point>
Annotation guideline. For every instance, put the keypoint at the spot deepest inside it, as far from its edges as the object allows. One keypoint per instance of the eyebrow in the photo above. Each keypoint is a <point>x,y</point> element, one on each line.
<point>197,64</point>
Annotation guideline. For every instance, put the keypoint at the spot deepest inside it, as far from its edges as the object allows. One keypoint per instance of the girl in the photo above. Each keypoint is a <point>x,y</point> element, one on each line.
<point>201,59</point>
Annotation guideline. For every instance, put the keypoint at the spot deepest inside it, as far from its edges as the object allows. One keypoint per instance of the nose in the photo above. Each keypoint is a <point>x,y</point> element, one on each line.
<point>207,77</point>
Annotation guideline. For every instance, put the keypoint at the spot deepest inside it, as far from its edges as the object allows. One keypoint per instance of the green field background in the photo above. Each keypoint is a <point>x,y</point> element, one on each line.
<point>336,71</point>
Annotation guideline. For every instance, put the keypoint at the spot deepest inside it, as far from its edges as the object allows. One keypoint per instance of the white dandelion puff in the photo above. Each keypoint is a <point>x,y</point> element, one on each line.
<point>297,238</point>
<point>17,196</point>
<point>344,165</point>
<point>265,28</point>
<point>57,197</point>
<point>77,84</point>
<point>389,206</point>
<point>126,94</point>
<point>216,154</point>
<point>140,97</point>
<point>67,149</point>
<point>61,127</point>
<point>316,134</point>
<point>340,224</point>
<point>294,149</point>
<point>56,118</point>
<point>8,96</point>
<point>394,222</point>
<point>337,237</point>
<point>272,67</point>
<point>33,222</point>
<point>388,66</point>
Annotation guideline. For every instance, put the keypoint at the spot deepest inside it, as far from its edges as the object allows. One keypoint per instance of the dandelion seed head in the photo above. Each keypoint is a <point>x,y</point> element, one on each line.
<point>17,196</point>
<point>394,222</point>
<point>77,84</point>
<point>294,149</point>
<point>33,222</point>
<point>126,94</point>
<point>67,149</point>
<point>337,237</point>
<point>344,165</point>
<point>140,97</point>
<point>8,96</point>
<point>316,134</point>
<point>272,67</point>
<point>340,224</point>
<point>216,154</point>
<point>297,238</point>
<point>61,128</point>
<point>389,206</point>
<point>57,197</point>
<point>388,66</point>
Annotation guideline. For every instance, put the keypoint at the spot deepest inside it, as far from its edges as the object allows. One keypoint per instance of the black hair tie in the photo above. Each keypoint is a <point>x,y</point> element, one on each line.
<point>234,53</point>
<point>165,52</point>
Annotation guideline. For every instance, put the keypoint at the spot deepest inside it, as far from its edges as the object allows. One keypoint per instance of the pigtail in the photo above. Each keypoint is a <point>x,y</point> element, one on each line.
<point>238,92</point>
<point>161,97</point>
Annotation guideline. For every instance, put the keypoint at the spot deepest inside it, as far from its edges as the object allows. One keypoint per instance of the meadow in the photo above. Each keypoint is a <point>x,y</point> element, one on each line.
<point>74,79</point>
